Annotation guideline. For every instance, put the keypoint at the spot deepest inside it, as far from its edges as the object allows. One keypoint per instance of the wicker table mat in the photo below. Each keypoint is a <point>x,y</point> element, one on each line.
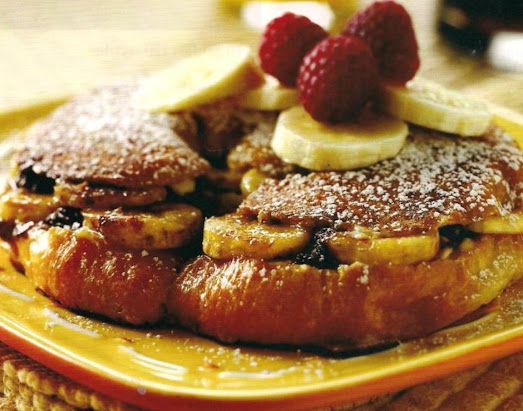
<point>27,385</point>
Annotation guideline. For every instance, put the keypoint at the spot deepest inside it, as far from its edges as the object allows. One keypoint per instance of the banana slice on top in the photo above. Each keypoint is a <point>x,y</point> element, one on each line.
<point>299,139</point>
<point>221,71</point>
<point>271,96</point>
<point>430,105</point>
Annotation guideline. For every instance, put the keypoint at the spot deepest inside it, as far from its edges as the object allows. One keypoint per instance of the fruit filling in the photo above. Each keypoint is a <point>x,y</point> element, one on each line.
<point>34,182</point>
<point>234,236</point>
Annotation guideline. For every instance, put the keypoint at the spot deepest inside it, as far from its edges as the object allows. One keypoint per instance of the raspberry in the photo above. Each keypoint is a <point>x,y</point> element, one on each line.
<point>337,78</point>
<point>285,42</point>
<point>387,28</point>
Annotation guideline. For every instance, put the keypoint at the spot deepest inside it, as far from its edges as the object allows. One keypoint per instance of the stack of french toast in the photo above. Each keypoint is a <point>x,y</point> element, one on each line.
<point>348,206</point>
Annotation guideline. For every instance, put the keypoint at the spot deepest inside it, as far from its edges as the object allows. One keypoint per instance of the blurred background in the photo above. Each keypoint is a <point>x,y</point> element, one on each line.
<point>54,48</point>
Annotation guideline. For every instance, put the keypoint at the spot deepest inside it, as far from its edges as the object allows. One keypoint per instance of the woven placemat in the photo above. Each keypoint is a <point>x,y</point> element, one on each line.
<point>27,385</point>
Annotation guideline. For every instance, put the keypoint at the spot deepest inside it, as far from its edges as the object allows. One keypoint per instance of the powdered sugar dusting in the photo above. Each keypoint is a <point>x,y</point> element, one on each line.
<point>435,180</point>
<point>103,137</point>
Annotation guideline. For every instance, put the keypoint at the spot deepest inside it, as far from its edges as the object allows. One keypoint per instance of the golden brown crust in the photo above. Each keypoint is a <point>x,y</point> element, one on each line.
<point>104,138</point>
<point>82,271</point>
<point>355,306</point>
<point>435,180</point>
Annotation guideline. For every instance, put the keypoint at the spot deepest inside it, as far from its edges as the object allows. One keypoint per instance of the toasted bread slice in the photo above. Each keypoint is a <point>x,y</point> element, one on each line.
<point>82,271</point>
<point>355,306</point>
<point>436,180</point>
<point>103,138</point>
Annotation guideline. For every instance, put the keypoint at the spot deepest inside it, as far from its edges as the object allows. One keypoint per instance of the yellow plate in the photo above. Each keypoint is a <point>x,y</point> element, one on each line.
<point>163,368</point>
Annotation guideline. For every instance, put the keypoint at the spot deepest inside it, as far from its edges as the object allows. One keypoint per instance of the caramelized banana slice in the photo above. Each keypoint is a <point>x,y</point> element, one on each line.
<point>163,227</point>
<point>397,250</point>
<point>511,224</point>
<point>251,180</point>
<point>230,236</point>
<point>22,206</point>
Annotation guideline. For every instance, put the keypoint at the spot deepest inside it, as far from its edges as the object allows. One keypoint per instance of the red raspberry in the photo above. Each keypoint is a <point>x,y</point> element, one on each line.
<point>285,42</point>
<point>337,78</point>
<point>387,28</point>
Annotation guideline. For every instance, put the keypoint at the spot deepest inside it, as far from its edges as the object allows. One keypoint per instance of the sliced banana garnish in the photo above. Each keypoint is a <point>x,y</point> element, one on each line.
<point>511,224</point>
<point>395,250</point>
<point>271,96</point>
<point>299,139</point>
<point>430,105</point>
<point>221,71</point>
<point>229,236</point>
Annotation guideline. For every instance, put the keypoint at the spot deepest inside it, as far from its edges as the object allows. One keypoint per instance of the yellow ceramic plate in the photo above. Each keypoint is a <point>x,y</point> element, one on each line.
<point>162,368</point>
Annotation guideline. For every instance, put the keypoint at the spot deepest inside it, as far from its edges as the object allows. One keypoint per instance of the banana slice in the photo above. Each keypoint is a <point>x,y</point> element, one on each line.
<point>21,206</point>
<point>218,72</point>
<point>167,226</point>
<point>230,236</point>
<point>271,96</point>
<point>251,180</point>
<point>430,105</point>
<point>399,250</point>
<point>511,224</point>
<point>299,139</point>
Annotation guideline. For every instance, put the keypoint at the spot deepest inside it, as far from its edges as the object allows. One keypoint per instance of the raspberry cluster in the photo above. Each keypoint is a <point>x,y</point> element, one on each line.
<point>337,76</point>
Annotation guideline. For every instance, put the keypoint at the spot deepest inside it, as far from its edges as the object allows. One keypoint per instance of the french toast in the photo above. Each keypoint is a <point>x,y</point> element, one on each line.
<point>84,271</point>
<point>356,232</point>
<point>351,306</point>
<point>102,138</point>
<point>101,181</point>
<point>97,204</point>
<point>360,258</point>
<point>370,244</point>
<point>387,214</point>
<point>437,180</point>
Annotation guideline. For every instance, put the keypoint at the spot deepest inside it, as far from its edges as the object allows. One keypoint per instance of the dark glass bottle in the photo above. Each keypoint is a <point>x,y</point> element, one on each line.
<point>471,24</point>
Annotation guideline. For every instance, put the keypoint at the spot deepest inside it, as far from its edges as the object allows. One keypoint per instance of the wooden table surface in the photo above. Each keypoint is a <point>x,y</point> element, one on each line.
<point>54,48</point>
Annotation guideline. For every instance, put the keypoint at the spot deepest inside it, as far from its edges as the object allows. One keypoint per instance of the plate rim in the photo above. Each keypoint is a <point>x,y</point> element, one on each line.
<point>326,394</point>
